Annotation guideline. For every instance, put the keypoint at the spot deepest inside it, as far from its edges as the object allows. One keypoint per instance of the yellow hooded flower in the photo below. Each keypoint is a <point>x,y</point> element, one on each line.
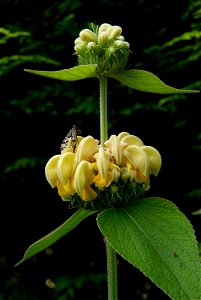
<point>137,160</point>
<point>121,169</point>
<point>65,169</point>
<point>83,179</point>
<point>86,148</point>
<point>154,159</point>
<point>104,167</point>
<point>51,170</point>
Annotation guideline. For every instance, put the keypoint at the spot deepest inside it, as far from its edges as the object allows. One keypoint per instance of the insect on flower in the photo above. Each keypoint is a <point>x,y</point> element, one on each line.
<point>72,134</point>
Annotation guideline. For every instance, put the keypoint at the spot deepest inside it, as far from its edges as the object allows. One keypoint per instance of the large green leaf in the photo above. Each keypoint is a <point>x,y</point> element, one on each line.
<point>56,234</point>
<point>154,236</point>
<point>72,74</point>
<point>147,82</point>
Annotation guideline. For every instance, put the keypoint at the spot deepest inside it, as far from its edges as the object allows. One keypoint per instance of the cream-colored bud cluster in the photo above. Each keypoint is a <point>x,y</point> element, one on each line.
<point>104,46</point>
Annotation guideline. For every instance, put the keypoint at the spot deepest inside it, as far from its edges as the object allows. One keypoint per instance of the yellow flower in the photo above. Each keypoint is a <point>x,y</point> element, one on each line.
<point>60,169</point>
<point>86,148</point>
<point>65,169</point>
<point>83,179</point>
<point>135,160</point>
<point>124,163</point>
<point>104,167</point>
<point>154,159</point>
<point>51,170</point>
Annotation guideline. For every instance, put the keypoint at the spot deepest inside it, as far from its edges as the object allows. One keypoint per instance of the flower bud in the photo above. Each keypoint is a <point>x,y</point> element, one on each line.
<point>79,47</point>
<point>121,38</point>
<point>114,32</point>
<point>126,45</point>
<point>78,41</point>
<point>87,35</point>
<point>106,48</point>
<point>104,27</point>
<point>119,44</point>
<point>103,38</point>
<point>91,45</point>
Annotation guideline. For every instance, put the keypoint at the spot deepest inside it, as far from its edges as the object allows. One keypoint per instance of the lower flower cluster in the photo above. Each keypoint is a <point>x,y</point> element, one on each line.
<point>110,175</point>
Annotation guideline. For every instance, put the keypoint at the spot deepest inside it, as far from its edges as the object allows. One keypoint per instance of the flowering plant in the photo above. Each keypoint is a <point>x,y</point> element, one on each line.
<point>109,178</point>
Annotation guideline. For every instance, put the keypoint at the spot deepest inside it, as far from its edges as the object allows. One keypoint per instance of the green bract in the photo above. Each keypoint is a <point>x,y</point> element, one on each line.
<point>140,80</point>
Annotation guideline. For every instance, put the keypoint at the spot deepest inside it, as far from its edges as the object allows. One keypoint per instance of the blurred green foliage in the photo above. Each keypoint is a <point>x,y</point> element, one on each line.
<point>36,113</point>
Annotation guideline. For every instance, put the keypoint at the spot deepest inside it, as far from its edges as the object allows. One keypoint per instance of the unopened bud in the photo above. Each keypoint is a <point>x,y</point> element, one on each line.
<point>126,45</point>
<point>104,27</point>
<point>103,38</point>
<point>121,38</point>
<point>91,45</point>
<point>119,44</point>
<point>87,35</point>
<point>78,48</point>
<point>114,32</point>
<point>78,41</point>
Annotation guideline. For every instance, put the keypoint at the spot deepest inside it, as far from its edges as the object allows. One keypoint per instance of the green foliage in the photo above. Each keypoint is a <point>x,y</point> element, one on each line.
<point>8,63</point>
<point>56,234</point>
<point>154,236</point>
<point>7,34</point>
<point>147,82</point>
<point>67,287</point>
<point>72,74</point>
<point>137,79</point>
<point>22,163</point>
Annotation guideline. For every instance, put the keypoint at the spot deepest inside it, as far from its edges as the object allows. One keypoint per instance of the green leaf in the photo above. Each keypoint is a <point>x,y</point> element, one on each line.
<point>56,234</point>
<point>154,236</point>
<point>147,82</point>
<point>72,74</point>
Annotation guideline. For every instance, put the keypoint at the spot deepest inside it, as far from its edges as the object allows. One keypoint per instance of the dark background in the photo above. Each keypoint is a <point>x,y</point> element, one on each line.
<point>37,112</point>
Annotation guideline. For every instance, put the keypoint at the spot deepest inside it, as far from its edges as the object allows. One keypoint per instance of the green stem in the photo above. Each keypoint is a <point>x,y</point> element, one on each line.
<point>110,252</point>
<point>103,109</point>
<point>111,272</point>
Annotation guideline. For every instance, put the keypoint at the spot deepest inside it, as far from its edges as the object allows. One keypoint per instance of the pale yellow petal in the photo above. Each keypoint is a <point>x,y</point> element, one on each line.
<point>61,189</point>
<point>155,160</point>
<point>105,181</point>
<point>83,179</point>
<point>102,160</point>
<point>65,167</point>
<point>51,170</point>
<point>104,176</point>
<point>132,140</point>
<point>65,191</point>
<point>139,162</point>
<point>114,146</point>
<point>122,135</point>
<point>86,148</point>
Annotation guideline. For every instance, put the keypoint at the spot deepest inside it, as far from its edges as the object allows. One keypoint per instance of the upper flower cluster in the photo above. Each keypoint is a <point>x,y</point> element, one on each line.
<point>93,169</point>
<point>104,46</point>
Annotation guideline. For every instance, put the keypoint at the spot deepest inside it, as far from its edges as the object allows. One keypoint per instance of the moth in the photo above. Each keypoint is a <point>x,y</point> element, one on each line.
<point>72,134</point>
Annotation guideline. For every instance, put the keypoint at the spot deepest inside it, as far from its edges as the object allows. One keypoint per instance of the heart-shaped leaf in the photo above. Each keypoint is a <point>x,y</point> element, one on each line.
<point>72,74</point>
<point>56,234</point>
<point>147,82</point>
<point>154,236</point>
